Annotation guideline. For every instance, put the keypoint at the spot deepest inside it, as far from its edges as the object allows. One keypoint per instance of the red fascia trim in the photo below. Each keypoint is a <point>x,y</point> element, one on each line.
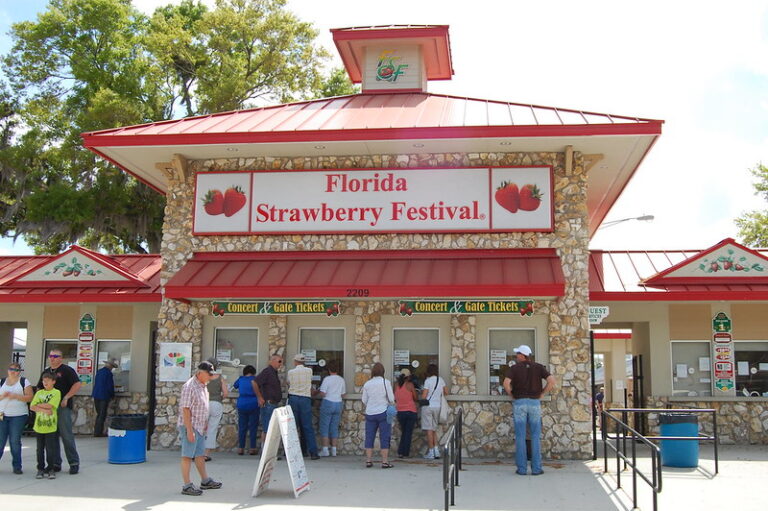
<point>728,280</point>
<point>346,34</point>
<point>346,255</point>
<point>82,298</point>
<point>390,91</point>
<point>37,284</point>
<point>669,296</point>
<point>451,132</point>
<point>378,292</point>
<point>607,335</point>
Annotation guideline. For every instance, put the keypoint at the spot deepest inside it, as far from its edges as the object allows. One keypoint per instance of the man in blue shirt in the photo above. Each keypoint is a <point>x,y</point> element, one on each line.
<point>103,392</point>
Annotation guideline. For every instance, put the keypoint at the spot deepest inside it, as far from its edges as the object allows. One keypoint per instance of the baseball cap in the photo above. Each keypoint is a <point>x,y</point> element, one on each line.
<point>299,357</point>
<point>207,367</point>
<point>405,372</point>
<point>524,349</point>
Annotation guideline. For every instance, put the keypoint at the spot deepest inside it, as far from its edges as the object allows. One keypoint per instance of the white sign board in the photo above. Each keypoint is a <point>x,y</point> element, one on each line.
<point>598,314</point>
<point>175,361</point>
<point>386,200</point>
<point>499,357</point>
<point>402,357</point>
<point>282,425</point>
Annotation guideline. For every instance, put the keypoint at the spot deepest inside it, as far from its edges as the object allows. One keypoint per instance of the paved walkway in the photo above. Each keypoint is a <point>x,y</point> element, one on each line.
<point>344,482</point>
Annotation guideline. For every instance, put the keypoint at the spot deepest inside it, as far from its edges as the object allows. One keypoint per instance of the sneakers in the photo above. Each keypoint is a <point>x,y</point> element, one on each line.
<point>74,469</point>
<point>430,455</point>
<point>333,451</point>
<point>51,475</point>
<point>436,452</point>
<point>17,471</point>
<point>210,484</point>
<point>324,452</point>
<point>40,474</point>
<point>189,489</point>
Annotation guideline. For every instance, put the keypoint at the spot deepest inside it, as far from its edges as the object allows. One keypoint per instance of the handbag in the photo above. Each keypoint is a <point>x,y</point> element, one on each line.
<point>445,410</point>
<point>425,402</point>
<point>391,409</point>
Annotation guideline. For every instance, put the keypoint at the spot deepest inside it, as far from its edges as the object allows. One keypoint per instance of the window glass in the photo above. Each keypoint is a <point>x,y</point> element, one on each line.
<point>691,369</point>
<point>68,349</point>
<point>121,352</point>
<point>236,348</point>
<point>416,349</point>
<point>321,346</point>
<point>751,368</point>
<point>501,342</point>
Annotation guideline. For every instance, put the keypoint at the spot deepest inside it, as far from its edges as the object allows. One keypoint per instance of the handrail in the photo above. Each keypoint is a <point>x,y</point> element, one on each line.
<point>622,428</point>
<point>451,452</point>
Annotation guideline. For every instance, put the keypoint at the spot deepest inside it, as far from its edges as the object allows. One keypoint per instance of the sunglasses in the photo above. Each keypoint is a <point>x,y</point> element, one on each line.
<point>54,356</point>
<point>14,369</point>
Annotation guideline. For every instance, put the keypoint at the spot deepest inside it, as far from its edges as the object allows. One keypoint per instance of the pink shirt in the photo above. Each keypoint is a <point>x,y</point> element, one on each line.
<point>404,399</point>
<point>194,395</point>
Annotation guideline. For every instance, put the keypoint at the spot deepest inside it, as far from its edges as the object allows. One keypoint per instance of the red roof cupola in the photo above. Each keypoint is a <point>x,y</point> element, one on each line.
<point>395,58</point>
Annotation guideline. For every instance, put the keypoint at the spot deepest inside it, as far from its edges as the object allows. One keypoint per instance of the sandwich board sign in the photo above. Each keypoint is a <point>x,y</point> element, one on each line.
<point>282,425</point>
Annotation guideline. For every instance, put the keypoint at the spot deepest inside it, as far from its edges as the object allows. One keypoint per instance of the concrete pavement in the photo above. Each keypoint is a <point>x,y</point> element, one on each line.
<point>344,482</point>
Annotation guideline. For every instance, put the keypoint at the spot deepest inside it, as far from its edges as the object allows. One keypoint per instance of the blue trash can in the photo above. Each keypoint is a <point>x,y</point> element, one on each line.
<point>127,439</point>
<point>679,453</point>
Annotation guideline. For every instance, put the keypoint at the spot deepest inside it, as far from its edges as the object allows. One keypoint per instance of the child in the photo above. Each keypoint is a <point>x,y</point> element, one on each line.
<point>46,404</point>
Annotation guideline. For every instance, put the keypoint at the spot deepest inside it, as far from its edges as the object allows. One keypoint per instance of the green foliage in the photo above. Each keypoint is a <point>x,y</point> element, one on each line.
<point>337,84</point>
<point>87,65</point>
<point>753,225</point>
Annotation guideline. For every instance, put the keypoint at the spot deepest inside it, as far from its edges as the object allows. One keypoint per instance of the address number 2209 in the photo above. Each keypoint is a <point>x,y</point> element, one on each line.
<point>358,292</point>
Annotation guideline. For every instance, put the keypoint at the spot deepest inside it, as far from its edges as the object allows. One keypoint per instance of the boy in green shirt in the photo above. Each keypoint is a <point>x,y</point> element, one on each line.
<point>46,404</point>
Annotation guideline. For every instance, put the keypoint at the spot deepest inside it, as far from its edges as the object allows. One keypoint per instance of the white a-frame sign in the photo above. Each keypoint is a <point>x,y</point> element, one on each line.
<point>281,425</point>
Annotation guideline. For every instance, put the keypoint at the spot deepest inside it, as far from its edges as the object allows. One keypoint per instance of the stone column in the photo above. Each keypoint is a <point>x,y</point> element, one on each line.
<point>463,355</point>
<point>367,339</point>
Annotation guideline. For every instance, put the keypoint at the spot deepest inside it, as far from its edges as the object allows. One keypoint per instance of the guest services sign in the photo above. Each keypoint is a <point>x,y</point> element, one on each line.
<point>386,200</point>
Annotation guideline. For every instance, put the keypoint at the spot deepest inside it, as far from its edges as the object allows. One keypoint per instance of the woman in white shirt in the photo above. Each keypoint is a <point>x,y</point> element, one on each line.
<point>377,395</point>
<point>332,391</point>
<point>434,389</point>
<point>15,393</point>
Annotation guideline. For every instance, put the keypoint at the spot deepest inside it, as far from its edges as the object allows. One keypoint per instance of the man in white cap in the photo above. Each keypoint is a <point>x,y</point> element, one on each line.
<point>300,400</point>
<point>523,382</point>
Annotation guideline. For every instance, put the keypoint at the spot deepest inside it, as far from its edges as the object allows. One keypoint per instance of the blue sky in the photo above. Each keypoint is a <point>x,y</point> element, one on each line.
<point>699,65</point>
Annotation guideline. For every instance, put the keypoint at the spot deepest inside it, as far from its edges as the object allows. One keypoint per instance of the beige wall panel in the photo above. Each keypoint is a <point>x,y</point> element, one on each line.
<point>114,322</point>
<point>750,321</point>
<point>690,321</point>
<point>61,321</point>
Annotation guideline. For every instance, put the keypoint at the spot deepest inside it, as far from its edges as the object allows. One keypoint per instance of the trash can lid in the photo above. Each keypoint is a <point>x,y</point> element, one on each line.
<point>678,418</point>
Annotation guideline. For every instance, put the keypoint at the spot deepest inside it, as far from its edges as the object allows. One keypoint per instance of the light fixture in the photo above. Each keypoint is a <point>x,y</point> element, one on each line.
<point>319,147</point>
<point>506,142</point>
<point>644,218</point>
<point>232,149</point>
<point>418,145</point>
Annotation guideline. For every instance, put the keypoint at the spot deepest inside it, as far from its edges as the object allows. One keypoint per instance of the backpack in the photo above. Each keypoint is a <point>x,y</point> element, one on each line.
<point>22,380</point>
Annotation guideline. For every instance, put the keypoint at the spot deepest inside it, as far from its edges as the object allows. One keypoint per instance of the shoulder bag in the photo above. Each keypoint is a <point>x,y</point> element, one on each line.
<point>391,409</point>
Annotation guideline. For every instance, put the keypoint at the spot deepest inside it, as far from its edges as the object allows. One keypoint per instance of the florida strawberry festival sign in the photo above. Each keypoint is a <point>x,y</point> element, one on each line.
<point>384,200</point>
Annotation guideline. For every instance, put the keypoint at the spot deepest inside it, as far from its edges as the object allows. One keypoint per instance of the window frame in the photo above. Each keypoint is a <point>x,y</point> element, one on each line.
<point>735,368</point>
<point>439,347</point>
<point>343,349</point>
<point>97,366</point>
<point>488,350</point>
<point>672,365</point>
<point>239,371</point>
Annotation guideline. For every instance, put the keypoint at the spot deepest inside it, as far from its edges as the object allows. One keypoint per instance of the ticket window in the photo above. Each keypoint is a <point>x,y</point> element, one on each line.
<point>119,351</point>
<point>68,350</point>
<point>501,343</point>
<point>751,368</point>
<point>416,349</point>
<point>236,348</point>
<point>319,347</point>
<point>691,368</point>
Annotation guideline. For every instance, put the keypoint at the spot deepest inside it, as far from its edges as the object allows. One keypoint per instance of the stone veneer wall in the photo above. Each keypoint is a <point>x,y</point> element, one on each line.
<point>85,413</point>
<point>488,422</point>
<point>738,422</point>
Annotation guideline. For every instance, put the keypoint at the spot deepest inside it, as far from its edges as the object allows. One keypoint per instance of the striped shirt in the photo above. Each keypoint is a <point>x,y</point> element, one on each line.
<point>194,395</point>
<point>300,381</point>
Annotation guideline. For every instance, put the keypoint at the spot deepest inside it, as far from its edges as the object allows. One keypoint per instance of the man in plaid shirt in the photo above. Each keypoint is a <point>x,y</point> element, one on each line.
<point>193,423</point>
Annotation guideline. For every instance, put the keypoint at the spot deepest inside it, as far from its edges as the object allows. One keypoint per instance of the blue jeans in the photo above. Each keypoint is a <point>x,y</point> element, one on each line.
<point>266,415</point>
<point>302,413</point>
<point>247,424</point>
<point>11,429</point>
<point>407,421</point>
<point>374,422</point>
<point>527,413</point>
<point>330,417</point>
<point>67,436</point>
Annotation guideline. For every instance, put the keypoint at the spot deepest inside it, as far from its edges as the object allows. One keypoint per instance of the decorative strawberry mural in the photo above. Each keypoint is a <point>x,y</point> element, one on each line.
<point>729,262</point>
<point>74,269</point>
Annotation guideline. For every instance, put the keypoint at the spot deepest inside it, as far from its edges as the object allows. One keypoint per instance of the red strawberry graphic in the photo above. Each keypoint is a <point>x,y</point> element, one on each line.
<point>508,196</point>
<point>234,200</point>
<point>530,198</point>
<point>214,202</point>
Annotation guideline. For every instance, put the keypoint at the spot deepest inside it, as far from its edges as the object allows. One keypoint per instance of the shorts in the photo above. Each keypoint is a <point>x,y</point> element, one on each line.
<point>429,417</point>
<point>191,449</point>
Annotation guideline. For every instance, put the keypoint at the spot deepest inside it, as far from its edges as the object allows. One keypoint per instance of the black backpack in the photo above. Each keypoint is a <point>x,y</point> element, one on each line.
<point>21,379</point>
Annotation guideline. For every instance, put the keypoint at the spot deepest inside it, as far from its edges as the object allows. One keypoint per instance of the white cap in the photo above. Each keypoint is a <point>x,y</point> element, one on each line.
<point>524,349</point>
<point>299,357</point>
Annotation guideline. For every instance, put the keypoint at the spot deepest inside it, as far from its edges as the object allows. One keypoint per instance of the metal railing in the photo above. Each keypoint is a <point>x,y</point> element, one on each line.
<point>622,428</point>
<point>451,452</point>
<point>624,431</point>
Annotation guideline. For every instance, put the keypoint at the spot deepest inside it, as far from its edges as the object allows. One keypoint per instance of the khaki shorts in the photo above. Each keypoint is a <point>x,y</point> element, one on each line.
<point>429,417</point>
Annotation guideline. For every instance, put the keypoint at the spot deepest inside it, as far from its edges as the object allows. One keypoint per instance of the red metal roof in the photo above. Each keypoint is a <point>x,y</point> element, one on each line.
<point>377,274</point>
<point>391,116</point>
<point>619,275</point>
<point>146,268</point>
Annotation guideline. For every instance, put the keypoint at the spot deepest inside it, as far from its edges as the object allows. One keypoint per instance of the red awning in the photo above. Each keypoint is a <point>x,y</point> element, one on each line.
<point>494,273</point>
